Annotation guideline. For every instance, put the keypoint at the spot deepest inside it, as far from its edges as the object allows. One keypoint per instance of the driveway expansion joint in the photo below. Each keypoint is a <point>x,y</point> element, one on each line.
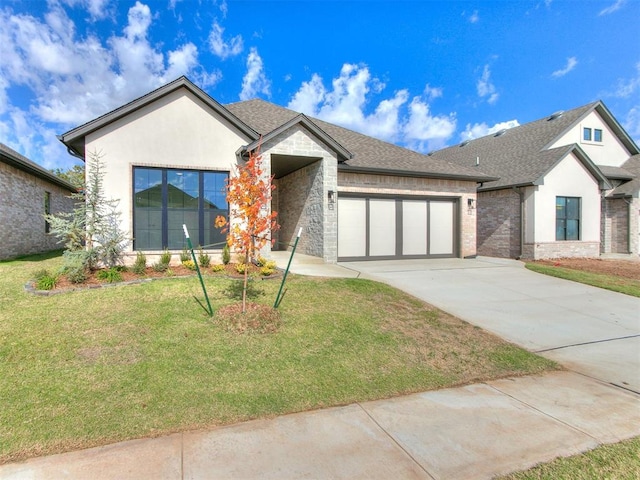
<point>586,343</point>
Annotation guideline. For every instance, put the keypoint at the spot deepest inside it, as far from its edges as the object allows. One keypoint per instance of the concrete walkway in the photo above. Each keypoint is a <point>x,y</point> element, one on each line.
<point>472,432</point>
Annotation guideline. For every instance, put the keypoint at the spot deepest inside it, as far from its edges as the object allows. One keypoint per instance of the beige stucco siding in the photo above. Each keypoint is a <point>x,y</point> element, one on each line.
<point>568,179</point>
<point>176,131</point>
<point>609,152</point>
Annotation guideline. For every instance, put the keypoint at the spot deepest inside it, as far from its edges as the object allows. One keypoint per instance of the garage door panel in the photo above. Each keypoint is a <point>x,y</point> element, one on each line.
<point>414,227</point>
<point>376,228</point>
<point>382,227</point>
<point>440,228</point>
<point>352,227</point>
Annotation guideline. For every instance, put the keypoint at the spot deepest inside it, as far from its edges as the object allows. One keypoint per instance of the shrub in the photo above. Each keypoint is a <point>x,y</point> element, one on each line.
<point>241,267</point>
<point>185,255</point>
<point>40,273</point>
<point>76,264</point>
<point>45,280</point>
<point>226,254</point>
<point>266,271</point>
<point>162,265</point>
<point>218,267</point>
<point>140,265</point>
<point>165,257</point>
<point>76,275</point>
<point>189,264</point>
<point>204,259</point>
<point>111,275</point>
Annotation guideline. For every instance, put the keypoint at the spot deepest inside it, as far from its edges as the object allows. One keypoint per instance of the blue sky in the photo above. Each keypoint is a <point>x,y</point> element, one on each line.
<point>422,74</point>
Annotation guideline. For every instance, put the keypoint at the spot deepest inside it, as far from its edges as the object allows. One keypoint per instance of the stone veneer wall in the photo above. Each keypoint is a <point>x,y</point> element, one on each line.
<point>565,249</point>
<point>499,224</point>
<point>615,225</point>
<point>385,184</point>
<point>302,201</point>
<point>22,227</point>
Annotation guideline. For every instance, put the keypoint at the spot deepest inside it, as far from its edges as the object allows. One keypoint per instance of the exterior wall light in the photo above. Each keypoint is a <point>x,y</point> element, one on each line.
<point>331,195</point>
<point>471,203</point>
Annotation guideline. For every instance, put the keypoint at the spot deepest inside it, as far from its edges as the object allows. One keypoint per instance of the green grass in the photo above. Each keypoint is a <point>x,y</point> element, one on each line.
<point>610,282</point>
<point>620,461</point>
<point>95,366</point>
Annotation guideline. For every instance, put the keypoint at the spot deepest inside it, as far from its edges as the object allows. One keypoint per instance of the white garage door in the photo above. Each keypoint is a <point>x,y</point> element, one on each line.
<point>385,228</point>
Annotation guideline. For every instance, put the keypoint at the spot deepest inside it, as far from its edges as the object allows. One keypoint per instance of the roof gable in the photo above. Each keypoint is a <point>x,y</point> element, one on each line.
<point>368,154</point>
<point>75,139</point>
<point>522,155</point>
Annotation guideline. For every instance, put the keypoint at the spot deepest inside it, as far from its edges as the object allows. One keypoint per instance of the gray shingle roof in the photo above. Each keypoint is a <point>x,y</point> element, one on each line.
<point>369,154</point>
<point>519,156</point>
<point>633,187</point>
<point>13,158</point>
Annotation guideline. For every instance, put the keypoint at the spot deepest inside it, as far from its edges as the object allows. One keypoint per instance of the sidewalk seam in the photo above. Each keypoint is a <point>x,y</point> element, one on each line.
<point>522,402</point>
<point>396,442</point>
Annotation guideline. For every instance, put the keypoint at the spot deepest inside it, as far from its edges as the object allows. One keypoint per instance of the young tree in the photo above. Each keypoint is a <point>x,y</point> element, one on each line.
<point>74,175</point>
<point>252,222</point>
<point>92,231</point>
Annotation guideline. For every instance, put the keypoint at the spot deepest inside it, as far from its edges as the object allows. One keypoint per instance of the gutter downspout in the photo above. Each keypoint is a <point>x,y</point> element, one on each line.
<point>520,193</point>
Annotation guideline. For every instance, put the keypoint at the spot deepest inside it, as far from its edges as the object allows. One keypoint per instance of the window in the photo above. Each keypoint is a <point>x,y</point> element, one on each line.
<point>597,135</point>
<point>165,199</point>
<point>567,218</point>
<point>591,134</point>
<point>47,211</point>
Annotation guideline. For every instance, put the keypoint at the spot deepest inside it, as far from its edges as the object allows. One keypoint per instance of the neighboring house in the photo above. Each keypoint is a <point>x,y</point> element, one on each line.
<point>27,192</point>
<point>354,197</point>
<point>568,186</point>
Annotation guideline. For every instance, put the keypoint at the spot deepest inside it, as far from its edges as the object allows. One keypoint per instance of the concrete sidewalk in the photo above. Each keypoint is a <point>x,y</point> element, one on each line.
<point>472,432</point>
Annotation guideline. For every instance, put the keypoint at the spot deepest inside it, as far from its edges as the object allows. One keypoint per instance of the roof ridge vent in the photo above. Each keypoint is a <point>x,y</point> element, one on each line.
<point>500,132</point>
<point>555,115</point>
<point>465,143</point>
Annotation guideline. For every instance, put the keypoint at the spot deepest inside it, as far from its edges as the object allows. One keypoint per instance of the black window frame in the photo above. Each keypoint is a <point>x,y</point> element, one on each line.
<point>587,134</point>
<point>597,135</point>
<point>563,218</point>
<point>47,211</point>
<point>198,237</point>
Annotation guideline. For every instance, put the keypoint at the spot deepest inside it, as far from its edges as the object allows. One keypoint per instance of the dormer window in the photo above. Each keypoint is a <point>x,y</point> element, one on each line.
<point>586,134</point>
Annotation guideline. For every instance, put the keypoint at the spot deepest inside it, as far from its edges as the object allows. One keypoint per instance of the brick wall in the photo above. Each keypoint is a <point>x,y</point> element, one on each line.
<point>565,249</point>
<point>499,225</point>
<point>615,226</point>
<point>22,227</point>
<point>367,183</point>
<point>301,198</point>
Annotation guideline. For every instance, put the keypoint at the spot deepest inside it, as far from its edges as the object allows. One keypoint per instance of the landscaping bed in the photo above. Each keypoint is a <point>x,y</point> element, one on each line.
<point>621,268</point>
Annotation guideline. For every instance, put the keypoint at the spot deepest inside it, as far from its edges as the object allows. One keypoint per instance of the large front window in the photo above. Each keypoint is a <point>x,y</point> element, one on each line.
<point>567,218</point>
<point>165,199</point>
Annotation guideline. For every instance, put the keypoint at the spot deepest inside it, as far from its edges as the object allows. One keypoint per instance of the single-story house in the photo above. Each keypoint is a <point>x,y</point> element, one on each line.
<point>568,186</point>
<point>27,192</point>
<point>168,154</point>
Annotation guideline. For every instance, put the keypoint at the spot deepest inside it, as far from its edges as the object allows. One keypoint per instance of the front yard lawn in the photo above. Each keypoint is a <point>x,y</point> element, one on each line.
<point>96,366</point>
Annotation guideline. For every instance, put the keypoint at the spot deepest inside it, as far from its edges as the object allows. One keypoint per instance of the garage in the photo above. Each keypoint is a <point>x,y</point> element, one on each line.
<point>384,228</point>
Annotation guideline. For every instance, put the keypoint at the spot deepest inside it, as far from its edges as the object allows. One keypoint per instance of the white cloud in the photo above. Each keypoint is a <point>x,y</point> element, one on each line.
<point>612,8</point>
<point>425,132</point>
<point>223,49</point>
<point>571,64</point>
<point>391,120</point>
<point>486,88</point>
<point>254,81</point>
<point>69,80</point>
<point>478,130</point>
<point>627,87</point>
<point>474,18</point>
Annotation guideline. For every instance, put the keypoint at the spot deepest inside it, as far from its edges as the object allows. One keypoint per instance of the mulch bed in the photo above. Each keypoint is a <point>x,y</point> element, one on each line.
<point>621,268</point>
<point>128,276</point>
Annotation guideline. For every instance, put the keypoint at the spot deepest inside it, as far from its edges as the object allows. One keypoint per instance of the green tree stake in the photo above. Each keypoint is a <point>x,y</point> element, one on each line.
<point>286,272</point>
<point>193,256</point>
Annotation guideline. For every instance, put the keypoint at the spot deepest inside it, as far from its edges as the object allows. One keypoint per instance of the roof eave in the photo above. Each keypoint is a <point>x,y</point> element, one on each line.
<point>408,173</point>
<point>36,170</point>
<point>301,119</point>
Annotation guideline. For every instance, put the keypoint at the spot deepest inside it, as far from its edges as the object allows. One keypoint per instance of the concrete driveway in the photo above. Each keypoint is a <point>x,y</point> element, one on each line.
<point>589,330</point>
